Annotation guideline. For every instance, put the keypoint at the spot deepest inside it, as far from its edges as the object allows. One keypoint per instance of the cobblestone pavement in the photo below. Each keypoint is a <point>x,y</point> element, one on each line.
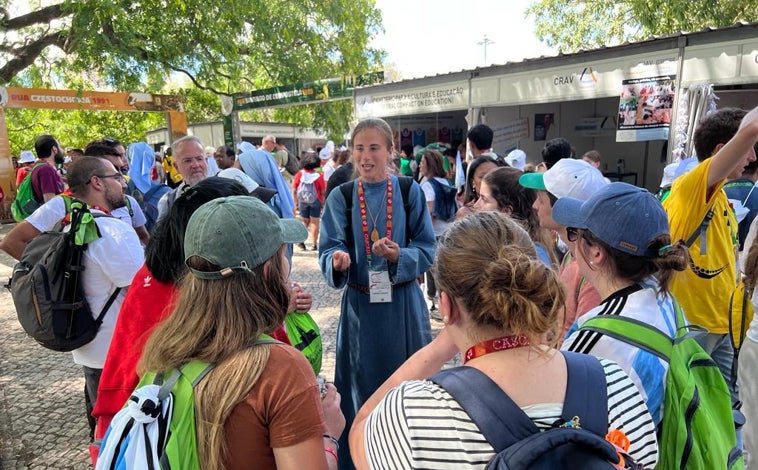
<point>42,423</point>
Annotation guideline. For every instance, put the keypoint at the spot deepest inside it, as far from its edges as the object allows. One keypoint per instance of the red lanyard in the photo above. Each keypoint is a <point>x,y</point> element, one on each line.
<point>364,220</point>
<point>494,345</point>
<point>103,210</point>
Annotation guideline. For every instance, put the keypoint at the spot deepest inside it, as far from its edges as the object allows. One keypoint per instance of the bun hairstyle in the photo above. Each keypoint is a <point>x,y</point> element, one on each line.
<point>633,268</point>
<point>489,265</point>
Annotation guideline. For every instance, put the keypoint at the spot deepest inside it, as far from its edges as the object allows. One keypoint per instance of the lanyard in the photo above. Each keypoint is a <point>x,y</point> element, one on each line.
<point>493,345</point>
<point>364,220</point>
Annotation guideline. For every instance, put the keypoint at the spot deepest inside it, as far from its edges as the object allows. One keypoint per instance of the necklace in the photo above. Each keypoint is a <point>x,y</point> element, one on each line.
<point>493,345</point>
<point>375,232</point>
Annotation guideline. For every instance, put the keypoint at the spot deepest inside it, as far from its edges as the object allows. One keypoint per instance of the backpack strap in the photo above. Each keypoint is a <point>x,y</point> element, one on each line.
<point>195,371</point>
<point>700,231</point>
<point>634,332</point>
<point>503,423</point>
<point>111,299</point>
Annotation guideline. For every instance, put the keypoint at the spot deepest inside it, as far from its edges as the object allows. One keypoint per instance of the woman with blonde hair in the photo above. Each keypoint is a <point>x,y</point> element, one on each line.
<point>500,191</point>
<point>376,240</point>
<point>259,407</point>
<point>499,303</point>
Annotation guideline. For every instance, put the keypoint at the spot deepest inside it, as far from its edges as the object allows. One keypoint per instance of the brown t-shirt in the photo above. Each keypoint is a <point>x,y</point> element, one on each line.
<point>282,409</point>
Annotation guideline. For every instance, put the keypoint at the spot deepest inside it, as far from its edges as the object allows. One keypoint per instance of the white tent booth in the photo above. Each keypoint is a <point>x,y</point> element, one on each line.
<point>622,101</point>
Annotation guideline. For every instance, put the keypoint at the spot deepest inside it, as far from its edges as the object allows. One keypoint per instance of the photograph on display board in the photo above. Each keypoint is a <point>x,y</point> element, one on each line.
<point>645,107</point>
<point>542,123</point>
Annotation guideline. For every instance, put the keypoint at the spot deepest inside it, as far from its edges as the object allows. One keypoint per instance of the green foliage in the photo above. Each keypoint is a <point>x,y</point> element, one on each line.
<point>221,47</point>
<point>575,25</point>
<point>77,128</point>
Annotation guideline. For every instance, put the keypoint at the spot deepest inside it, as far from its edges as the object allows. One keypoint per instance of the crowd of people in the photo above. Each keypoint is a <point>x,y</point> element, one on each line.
<point>515,256</point>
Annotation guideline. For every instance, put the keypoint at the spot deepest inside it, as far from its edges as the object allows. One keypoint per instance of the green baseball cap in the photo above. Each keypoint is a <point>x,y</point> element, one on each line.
<point>237,233</point>
<point>532,180</point>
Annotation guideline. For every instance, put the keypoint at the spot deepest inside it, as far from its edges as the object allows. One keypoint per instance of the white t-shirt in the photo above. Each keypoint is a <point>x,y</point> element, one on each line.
<point>50,213</point>
<point>109,262</point>
<point>439,226</point>
<point>328,170</point>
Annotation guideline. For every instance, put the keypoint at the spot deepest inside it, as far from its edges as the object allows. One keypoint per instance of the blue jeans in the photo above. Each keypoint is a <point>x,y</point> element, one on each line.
<point>719,346</point>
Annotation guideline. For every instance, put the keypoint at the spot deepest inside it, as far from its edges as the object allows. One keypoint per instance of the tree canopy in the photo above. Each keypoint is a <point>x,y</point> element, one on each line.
<point>574,25</point>
<point>221,47</point>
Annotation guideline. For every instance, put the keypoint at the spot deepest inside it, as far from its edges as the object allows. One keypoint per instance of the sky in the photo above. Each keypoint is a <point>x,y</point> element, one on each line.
<point>429,37</point>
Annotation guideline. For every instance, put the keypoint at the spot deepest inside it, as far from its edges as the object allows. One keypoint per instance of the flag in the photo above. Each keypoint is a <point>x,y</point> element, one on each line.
<point>460,178</point>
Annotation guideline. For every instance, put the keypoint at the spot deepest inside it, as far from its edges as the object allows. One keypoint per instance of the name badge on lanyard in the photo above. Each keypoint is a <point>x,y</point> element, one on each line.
<point>379,287</point>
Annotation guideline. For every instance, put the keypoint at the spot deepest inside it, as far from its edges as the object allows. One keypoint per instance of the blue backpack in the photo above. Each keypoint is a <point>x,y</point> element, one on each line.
<point>518,443</point>
<point>148,201</point>
<point>445,205</point>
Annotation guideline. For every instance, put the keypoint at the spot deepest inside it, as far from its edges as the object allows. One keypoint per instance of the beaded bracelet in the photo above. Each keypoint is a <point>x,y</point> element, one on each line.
<point>333,439</point>
<point>332,452</point>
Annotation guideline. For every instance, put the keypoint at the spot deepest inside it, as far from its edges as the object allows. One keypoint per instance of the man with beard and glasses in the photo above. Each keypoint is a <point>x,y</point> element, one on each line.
<point>131,213</point>
<point>110,261</point>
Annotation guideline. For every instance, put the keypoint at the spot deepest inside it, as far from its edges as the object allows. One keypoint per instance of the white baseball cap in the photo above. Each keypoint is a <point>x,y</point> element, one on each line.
<point>567,178</point>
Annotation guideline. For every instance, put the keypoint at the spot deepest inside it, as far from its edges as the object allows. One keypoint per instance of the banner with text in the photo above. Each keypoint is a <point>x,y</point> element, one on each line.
<point>329,89</point>
<point>449,97</point>
<point>38,98</point>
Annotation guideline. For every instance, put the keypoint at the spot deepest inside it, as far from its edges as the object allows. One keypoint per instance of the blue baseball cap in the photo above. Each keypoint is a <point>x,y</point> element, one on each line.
<point>623,216</point>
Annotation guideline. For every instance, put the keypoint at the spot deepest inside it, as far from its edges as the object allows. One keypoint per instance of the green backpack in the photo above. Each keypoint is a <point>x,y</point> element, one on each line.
<point>156,427</point>
<point>24,204</point>
<point>697,429</point>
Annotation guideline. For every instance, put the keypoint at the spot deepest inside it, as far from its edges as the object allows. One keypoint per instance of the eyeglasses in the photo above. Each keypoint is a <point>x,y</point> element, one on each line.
<point>118,177</point>
<point>572,233</point>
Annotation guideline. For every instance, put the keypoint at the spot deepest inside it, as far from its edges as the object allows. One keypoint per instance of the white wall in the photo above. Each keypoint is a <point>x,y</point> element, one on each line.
<point>566,116</point>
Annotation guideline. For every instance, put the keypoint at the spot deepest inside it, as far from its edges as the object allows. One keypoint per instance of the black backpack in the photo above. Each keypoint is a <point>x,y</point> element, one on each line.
<point>518,443</point>
<point>47,290</point>
<point>293,164</point>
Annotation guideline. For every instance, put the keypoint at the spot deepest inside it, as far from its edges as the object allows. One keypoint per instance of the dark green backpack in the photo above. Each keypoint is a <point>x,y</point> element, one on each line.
<point>697,429</point>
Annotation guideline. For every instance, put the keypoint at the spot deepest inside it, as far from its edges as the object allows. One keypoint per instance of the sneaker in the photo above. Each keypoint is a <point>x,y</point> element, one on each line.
<point>301,245</point>
<point>315,247</point>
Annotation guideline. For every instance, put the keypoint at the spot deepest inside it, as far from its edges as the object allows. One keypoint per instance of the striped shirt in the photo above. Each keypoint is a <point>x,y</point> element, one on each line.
<point>641,302</point>
<point>419,425</point>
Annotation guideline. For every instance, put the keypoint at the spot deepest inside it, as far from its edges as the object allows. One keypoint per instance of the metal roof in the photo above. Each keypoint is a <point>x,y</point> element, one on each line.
<point>707,35</point>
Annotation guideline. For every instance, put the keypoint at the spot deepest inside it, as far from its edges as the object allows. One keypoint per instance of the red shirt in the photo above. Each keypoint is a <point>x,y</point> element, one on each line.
<point>319,184</point>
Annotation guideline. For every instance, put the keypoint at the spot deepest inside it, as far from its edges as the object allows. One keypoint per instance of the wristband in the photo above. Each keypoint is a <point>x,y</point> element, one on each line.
<point>332,452</point>
<point>333,439</point>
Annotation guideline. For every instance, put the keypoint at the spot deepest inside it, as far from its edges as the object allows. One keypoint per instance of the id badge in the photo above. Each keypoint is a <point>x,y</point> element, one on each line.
<point>379,287</point>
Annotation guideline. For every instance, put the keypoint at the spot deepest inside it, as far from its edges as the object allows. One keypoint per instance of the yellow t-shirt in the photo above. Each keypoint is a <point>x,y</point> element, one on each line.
<point>170,169</point>
<point>704,289</point>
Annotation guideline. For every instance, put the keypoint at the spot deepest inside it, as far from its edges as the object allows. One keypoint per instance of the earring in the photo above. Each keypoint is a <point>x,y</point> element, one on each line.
<point>444,320</point>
